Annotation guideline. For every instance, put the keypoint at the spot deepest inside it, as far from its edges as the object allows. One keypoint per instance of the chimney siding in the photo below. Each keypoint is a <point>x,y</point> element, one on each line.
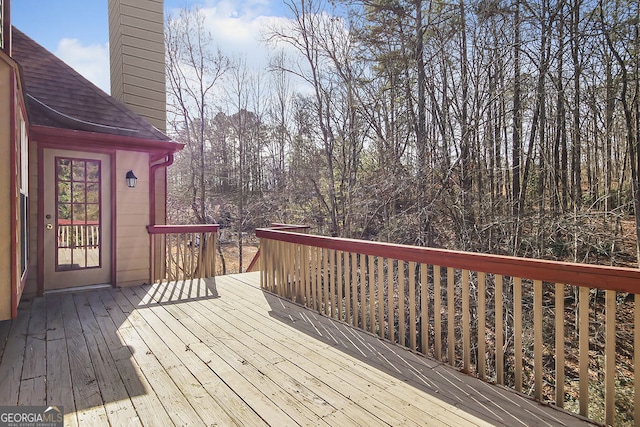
<point>5,26</point>
<point>136,49</point>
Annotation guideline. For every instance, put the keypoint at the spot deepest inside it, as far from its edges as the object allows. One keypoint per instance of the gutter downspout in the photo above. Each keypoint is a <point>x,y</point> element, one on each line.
<point>152,213</point>
<point>152,186</point>
<point>154,250</point>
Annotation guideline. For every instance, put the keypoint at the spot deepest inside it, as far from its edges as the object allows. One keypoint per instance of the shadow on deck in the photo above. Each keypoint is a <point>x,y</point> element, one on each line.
<point>223,351</point>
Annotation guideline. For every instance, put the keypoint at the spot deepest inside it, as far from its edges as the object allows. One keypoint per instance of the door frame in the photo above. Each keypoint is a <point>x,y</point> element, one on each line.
<point>71,148</point>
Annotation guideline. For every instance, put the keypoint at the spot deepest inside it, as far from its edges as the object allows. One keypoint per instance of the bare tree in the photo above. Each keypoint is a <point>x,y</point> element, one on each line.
<point>194,67</point>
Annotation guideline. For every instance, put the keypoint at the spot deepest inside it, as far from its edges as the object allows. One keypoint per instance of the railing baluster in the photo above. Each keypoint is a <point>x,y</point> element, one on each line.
<point>281,284</point>
<point>347,287</point>
<point>325,282</point>
<point>332,283</point>
<point>372,295</point>
<point>636,358</point>
<point>212,252</point>
<point>339,281</point>
<point>517,331</point>
<point>169,261</point>
<point>466,324</point>
<point>152,257</point>
<point>363,291</point>
<point>437,312</point>
<point>279,269</point>
<point>537,338</point>
<point>306,274</point>
<point>181,259</point>
<point>424,309</point>
<point>583,348</point>
<point>499,328</point>
<point>188,255</point>
<point>402,337</point>
<point>293,272</point>
<point>198,264</point>
<point>412,305</point>
<point>354,288</point>
<point>316,279</point>
<point>451,314</point>
<point>286,250</point>
<point>381,297</point>
<point>559,345</point>
<point>272,275</point>
<point>205,255</point>
<point>390,300</point>
<point>201,255</point>
<point>293,275</point>
<point>482,319</point>
<point>610,357</point>
<point>291,262</point>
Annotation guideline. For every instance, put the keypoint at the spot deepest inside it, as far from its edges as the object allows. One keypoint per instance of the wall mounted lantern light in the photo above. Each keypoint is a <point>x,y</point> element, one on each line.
<point>131,179</point>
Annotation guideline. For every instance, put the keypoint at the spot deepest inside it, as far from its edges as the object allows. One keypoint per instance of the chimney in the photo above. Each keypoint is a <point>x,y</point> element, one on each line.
<point>136,50</point>
<point>5,26</point>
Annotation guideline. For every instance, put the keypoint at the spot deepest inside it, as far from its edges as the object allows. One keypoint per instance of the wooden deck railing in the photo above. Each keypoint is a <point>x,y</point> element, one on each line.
<point>87,235</point>
<point>254,265</point>
<point>544,328</point>
<point>188,251</point>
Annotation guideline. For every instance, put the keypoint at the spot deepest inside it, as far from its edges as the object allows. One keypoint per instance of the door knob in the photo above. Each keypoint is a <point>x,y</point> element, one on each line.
<point>49,226</point>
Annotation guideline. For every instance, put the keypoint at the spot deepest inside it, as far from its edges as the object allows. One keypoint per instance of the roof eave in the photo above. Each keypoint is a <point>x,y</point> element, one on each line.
<point>77,139</point>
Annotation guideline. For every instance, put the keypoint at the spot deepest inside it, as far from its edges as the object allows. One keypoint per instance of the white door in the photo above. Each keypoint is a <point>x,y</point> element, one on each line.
<point>77,219</point>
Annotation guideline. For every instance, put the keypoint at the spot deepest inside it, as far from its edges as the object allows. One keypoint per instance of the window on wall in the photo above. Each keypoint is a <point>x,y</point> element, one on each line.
<point>78,200</point>
<point>1,24</point>
<point>24,196</point>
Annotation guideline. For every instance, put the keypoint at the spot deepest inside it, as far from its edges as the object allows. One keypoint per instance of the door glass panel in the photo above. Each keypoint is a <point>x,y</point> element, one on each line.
<point>78,201</point>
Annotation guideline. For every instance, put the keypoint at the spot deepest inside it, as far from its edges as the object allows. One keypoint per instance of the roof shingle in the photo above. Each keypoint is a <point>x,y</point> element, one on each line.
<point>58,96</point>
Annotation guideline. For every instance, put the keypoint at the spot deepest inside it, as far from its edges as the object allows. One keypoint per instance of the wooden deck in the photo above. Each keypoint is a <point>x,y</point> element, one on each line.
<point>222,352</point>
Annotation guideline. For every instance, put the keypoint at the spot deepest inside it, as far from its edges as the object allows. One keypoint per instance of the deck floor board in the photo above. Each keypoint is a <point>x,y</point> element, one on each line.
<point>222,352</point>
<point>13,357</point>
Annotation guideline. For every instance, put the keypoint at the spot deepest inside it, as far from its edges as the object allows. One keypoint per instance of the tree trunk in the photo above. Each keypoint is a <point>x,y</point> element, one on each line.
<point>517,131</point>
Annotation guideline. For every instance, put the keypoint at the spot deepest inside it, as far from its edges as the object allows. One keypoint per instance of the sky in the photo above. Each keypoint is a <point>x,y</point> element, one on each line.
<point>77,30</point>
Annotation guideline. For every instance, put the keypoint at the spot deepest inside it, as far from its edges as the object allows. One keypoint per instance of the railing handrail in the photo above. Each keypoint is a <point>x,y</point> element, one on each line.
<point>288,227</point>
<point>254,265</point>
<point>622,279</point>
<point>190,228</point>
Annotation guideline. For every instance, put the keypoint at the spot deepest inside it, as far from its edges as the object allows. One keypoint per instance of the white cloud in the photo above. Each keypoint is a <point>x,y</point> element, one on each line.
<point>239,31</point>
<point>238,28</point>
<point>91,61</point>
